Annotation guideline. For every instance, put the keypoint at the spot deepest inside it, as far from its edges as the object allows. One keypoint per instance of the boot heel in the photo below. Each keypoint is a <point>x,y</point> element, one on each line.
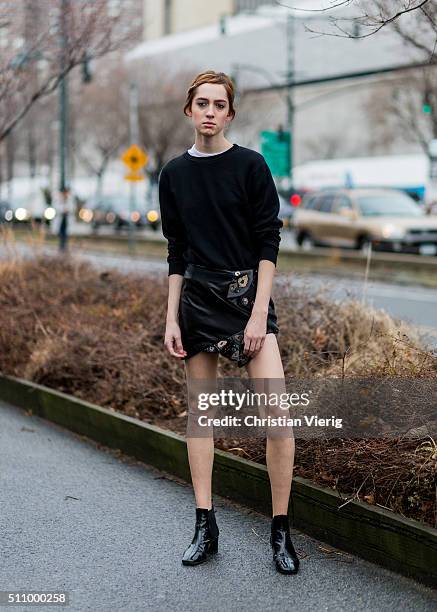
<point>213,546</point>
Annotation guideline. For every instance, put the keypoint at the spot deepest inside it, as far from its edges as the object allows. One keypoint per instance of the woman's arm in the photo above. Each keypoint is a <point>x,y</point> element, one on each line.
<point>266,227</point>
<point>256,328</point>
<point>264,203</point>
<point>173,229</point>
<point>266,272</point>
<point>172,226</point>
<point>173,340</point>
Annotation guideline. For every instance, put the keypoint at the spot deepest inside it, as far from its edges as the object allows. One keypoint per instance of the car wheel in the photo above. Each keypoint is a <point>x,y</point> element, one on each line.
<point>306,242</point>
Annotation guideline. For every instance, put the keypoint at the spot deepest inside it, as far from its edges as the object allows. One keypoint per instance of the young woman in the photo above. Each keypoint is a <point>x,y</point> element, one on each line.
<point>219,211</point>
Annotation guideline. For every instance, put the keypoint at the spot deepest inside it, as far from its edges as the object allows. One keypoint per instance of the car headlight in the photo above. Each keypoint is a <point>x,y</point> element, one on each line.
<point>152,216</point>
<point>86,215</point>
<point>391,231</point>
<point>50,213</point>
<point>21,214</point>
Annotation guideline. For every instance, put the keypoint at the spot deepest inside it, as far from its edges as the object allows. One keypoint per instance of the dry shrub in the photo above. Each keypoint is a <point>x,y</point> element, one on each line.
<point>95,335</point>
<point>320,337</point>
<point>99,336</point>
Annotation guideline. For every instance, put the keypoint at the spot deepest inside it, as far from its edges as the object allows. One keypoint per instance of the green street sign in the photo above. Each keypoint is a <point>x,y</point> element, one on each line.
<point>275,147</point>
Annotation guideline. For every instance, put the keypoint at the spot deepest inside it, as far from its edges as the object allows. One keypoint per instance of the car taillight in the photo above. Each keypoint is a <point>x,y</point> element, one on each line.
<point>295,199</point>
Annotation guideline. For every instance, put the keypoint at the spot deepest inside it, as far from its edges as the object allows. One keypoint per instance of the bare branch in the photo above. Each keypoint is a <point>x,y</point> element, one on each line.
<point>90,31</point>
<point>381,14</point>
<point>321,10</point>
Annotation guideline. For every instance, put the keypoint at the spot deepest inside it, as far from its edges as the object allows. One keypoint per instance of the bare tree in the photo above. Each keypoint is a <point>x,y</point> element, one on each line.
<point>420,32</point>
<point>395,109</point>
<point>371,16</point>
<point>405,109</point>
<point>164,130</point>
<point>325,146</point>
<point>91,31</point>
<point>102,125</point>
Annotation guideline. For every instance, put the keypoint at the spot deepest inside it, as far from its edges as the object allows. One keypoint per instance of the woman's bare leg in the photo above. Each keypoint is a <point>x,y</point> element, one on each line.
<point>279,451</point>
<point>201,450</point>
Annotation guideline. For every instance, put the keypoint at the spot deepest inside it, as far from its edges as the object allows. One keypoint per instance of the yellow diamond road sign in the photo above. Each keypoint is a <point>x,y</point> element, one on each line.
<point>135,158</point>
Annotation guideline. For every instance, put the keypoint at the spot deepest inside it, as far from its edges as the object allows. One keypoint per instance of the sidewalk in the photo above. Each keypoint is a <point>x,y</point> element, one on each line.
<point>111,532</point>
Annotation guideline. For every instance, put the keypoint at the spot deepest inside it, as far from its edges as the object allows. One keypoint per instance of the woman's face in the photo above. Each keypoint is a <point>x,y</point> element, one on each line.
<point>210,109</point>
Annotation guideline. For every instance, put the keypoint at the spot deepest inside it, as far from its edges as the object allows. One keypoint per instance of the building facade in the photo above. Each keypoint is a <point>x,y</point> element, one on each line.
<point>164,17</point>
<point>330,120</point>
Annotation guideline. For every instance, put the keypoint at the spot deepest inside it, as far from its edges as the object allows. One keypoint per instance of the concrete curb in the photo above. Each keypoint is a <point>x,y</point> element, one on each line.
<point>375,534</point>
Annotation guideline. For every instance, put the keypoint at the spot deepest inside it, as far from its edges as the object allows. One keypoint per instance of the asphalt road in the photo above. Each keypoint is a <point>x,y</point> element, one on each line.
<point>415,304</point>
<point>111,531</point>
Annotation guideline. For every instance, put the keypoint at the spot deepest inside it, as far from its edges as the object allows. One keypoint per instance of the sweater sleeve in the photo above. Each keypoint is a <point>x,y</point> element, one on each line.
<point>264,201</point>
<point>172,227</point>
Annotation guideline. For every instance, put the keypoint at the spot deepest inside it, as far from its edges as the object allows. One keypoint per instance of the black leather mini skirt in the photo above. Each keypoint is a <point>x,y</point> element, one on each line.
<point>214,309</point>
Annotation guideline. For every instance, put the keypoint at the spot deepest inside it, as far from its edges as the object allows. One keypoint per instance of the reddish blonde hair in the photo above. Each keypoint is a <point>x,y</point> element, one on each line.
<point>210,76</point>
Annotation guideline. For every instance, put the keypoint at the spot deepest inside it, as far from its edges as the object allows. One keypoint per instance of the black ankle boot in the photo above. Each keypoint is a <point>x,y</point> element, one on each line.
<point>205,540</point>
<point>284,555</point>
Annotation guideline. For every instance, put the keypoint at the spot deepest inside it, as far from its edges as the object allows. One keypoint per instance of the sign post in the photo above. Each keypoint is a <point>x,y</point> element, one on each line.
<point>431,191</point>
<point>432,154</point>
<point>135,159</point>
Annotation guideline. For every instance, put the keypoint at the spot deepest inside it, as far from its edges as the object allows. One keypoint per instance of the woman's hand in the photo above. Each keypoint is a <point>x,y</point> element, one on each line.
<point>173,340</point>
<point>255,332</point>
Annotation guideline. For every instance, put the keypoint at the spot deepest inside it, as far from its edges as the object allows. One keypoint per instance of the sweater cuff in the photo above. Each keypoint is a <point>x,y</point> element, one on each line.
<point>269,252</point>
<point>176,267</point>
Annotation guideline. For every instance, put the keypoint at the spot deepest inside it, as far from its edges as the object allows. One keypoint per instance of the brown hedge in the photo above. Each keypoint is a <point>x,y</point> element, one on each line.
<point>99,336</point>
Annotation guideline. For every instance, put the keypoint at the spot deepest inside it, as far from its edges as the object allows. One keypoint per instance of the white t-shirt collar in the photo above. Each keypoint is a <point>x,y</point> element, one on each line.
<point>196,153</point>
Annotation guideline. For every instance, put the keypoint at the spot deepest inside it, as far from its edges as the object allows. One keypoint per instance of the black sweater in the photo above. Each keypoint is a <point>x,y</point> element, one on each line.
<point>220,212</point>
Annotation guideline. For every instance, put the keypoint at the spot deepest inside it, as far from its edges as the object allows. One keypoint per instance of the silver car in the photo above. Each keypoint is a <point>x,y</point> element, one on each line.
<point>387,218</point>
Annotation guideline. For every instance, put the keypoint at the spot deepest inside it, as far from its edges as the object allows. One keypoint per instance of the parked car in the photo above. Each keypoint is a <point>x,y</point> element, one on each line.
<point>106,211</point>
<point>33,207</point>
<point>115,211</point>
<point>289,200</point>
<point>27,209</point>
<point>387,218</point>
<point>97,212</point>
<point>286,213</point>
<point>124,217</point>
<point>6,212</point>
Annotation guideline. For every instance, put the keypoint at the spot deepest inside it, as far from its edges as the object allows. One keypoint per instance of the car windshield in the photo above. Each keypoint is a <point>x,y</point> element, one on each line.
<point>20,201</point>
<point>397,205</point>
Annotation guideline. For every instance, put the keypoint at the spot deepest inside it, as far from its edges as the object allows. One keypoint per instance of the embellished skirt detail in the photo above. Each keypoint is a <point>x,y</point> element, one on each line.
<point>214,309</point>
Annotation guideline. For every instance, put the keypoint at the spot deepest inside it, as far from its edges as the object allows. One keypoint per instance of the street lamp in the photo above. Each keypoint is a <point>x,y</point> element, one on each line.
<point>63,97</point>
<point>289,32</point>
